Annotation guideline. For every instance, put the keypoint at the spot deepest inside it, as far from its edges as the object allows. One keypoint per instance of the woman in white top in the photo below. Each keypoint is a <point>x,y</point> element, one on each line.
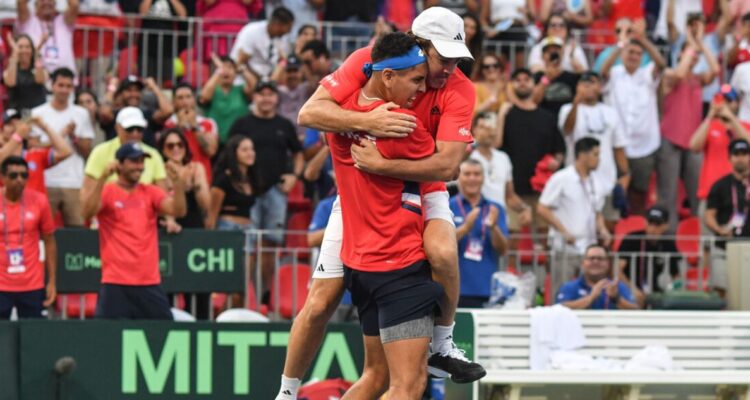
<point>573,58</point>
<point>506,21</point>
<point>577,13</point>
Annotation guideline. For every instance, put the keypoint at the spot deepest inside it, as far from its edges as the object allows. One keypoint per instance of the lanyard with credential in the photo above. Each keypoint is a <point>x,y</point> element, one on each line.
<point>5,225</point>
<point>482,215</point>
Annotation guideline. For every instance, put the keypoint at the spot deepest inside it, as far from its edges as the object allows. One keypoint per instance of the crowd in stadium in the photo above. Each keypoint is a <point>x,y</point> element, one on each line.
<point>586,113</point>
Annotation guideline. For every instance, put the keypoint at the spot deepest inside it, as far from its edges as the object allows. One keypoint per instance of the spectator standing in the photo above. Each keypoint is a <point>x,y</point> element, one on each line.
<point>129,93</point>
<point>631,90</point>
<point>50,30</point>
<point>25,76</point>
<point>506,21</point>
<point>27,219</point>
<point>217,29</point>
<point>128,239</point>
<point>457,6</point>
<point>681,116</point>
<point>350,11</point>
<point>527,134</point>
<point>682,9</point>
<point>305,12</point>
<point>474,38</point>
<point>587,116</point>
<point>279,161</point>
<point>316,60</point>
<point>233,190</point>
<point>571,203</point>
<point>38,159</point>
<point>159,36</point>
<point>87,99</point>
<point>741,83</point>
<point>498,170</point>
<point>595,289</point>
<point>490,84</point>
<point>572,58</point>
<point>624,30</point>
<point>293,92</point>
<point>649,259</point>
<point>577,14</point>
<point>555,86</point>
<point>64,179</point>
<point>174,147</point>
<point>224,101</point>
<point>261,44</point>
<point>130,126</point>
<point>305,34</point>
<point>481,233</point>
<point>712,138</point>
<point>727,209</point>
<point>201,132</point>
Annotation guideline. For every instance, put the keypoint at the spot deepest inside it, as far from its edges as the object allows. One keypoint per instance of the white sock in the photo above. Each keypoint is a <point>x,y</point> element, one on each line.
<point>442,338</point>
<point>289,388</point>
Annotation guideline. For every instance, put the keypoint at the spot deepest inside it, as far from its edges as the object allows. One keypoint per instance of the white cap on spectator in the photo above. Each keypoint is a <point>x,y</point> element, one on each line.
<point>129,117</point>
<point>445,29</point>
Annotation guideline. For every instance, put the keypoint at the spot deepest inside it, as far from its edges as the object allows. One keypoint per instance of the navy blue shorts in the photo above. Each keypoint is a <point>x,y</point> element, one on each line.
<point>28,304</point>
<point>132,302</point>
<point>387,299</point>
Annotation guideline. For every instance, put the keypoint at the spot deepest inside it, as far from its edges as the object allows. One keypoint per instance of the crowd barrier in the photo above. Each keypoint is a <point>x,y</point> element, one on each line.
<point>97,360</point>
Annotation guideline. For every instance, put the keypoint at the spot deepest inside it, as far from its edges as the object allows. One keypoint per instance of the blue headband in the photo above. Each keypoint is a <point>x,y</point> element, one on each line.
<point>408,60</point>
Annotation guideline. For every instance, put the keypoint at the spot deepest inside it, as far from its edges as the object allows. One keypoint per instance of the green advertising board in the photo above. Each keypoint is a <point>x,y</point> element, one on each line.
<point>193,261</point>
<point>8,362</point>
<point>166,360</point>
<point>463,336</point>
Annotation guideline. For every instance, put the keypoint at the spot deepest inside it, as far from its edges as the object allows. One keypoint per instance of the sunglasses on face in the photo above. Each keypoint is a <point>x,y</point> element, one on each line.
<point>134,129</point>
<point>175,145</point>
<point>490,66</point>
<point>628,31</point>
<point>15,175</point>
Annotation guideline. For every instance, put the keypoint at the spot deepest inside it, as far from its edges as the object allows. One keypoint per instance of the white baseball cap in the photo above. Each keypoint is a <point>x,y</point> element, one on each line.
<point>129,117</point>
<point>445,29</point>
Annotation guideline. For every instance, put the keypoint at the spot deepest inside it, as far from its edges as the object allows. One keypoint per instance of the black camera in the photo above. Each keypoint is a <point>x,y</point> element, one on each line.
<point>554,56</point>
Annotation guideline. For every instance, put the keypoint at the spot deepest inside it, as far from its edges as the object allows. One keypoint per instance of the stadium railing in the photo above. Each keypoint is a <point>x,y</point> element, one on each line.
<point>709,348</point>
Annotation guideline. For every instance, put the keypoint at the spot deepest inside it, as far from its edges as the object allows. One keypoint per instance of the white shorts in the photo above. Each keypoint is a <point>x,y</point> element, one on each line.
<point>329,262</point>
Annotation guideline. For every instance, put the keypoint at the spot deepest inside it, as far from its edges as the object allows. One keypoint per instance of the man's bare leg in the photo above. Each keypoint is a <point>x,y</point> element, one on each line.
<point>406,366</point>
<point>374,380</point>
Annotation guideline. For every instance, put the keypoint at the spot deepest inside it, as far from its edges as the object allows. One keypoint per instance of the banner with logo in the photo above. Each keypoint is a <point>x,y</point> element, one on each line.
<point>193,261</point>
<point>165,360</point>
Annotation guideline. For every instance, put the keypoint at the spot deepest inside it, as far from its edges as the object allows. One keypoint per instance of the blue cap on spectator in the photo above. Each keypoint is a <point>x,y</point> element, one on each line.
<point>729,93</point>
<point>739,146</point>
<point>10,114</point>
<point>131,151</point>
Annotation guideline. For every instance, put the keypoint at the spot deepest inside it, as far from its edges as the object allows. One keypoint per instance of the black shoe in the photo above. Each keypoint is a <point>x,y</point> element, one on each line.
<point>454,363</point>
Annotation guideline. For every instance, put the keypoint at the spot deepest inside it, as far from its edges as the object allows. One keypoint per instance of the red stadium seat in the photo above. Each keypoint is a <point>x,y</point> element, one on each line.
<point>73,308</point>
<point>626,226</point>
<point>296,236</point>
<point>688,241</point>
<point>284,280</point>
<point>297,199</point>
<point>96,35</point>
<point>526,249</point>
<point>693,282</point>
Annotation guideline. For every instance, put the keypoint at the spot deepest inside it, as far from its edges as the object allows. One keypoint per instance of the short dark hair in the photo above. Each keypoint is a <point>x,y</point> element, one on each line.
<point>585,145</point>
<point>82,91</point>
<point>307,26</point>
<point>182,85</point>
<point>392,45</point>
<point>596,246</point>
<point>12,160</point>
<point>521,71</point>
<point>62,72</point>
<point>473,162</point>
<point>282,15</point>
<point>480,116</point>
<point>318,48</point>
<point>227,59</point>
<point>746,17</point>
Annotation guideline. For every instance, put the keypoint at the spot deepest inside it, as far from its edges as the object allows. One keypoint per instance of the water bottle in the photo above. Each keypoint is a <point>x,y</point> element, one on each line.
<point>438,388</point>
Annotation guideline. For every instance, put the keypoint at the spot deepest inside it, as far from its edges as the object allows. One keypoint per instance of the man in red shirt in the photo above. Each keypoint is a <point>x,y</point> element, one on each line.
<point>385,264</point>
<point>128,239</point>
<point>445,109</point>
<point>25,218</point>
<point>202,133</point>
<point>15,131</point>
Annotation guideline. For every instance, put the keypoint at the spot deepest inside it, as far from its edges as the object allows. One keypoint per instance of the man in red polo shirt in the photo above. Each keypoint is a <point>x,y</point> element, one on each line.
<point>202,133</point>
<point>15,131</point>
<point>128,239</point>
<point>445,109</point>
<point>25,218</point>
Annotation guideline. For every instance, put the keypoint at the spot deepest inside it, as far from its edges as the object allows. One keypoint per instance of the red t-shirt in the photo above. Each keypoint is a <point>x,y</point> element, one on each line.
<point>446,113</point>
<point>37,222</point>
<point>39,159</point>
<point>128,239</point>
<point>383,216</point>
<point>715,157</point>
<point>207,125</point>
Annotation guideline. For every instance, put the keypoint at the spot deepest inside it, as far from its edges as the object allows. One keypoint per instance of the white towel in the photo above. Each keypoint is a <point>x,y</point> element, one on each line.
<point>553,328</point>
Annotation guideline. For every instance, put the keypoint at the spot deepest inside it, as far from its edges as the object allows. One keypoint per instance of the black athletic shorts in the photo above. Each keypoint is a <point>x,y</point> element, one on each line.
<point>387,299</point>
<point>28,304</point>
<point>132,302</point>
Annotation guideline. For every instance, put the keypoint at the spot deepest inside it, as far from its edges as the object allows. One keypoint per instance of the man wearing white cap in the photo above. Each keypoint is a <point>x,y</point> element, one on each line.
<point>130,124</point>
<point>445,109</point>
